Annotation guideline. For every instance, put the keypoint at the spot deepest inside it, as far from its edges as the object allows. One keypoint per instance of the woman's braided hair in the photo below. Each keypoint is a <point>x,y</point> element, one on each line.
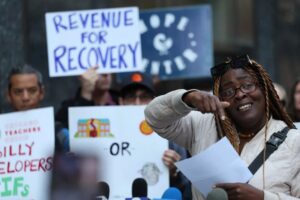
<point>273,105</point>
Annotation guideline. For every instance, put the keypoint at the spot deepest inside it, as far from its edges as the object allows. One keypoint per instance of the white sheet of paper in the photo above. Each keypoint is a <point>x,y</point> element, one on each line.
<point>219,163</point>
<point>297,125</point>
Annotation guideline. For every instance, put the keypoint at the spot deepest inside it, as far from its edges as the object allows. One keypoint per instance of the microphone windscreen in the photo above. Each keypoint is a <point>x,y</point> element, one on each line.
<point>139,188</point>
<point>103,189</point>
<point>217,194</point>
<point>172,193</point>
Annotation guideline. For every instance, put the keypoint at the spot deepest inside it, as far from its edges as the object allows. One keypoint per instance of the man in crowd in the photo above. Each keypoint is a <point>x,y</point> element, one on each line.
<point>138,89</point>
<point>25,88</point>
<point>95,89</point>
<point>26,91</point>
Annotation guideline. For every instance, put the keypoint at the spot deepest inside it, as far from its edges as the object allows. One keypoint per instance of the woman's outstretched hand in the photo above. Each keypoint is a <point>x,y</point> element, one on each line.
<point>206,102</point>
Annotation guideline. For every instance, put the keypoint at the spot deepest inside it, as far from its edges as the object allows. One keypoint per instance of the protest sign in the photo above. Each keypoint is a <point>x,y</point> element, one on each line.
<point>78,40</point>
<point>26,154</point>
<point>126,146</point>
<point>177,42</point>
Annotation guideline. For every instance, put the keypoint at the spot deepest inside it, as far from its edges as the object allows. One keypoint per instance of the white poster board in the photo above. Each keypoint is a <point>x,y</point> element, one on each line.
<point>126,146</point>
<point>26,154</point>
<point>109,38</point>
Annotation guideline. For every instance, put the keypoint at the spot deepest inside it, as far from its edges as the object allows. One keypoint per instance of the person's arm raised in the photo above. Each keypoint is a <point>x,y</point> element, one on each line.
<point>171,117</point>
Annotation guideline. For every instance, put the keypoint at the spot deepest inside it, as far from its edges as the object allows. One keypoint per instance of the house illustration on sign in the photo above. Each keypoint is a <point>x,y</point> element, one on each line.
<point>93,128</point>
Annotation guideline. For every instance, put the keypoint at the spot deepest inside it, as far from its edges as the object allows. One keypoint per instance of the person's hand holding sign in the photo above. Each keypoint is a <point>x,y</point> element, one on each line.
<point>88,81</point>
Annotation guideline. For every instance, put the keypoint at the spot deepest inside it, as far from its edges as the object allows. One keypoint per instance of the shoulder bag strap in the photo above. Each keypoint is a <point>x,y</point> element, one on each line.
<point>272,145</point>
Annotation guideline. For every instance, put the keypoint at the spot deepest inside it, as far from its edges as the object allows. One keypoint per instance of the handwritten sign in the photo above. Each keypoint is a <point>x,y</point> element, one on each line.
<point>126,146</point>
<point>26,154</point>
<point>108,38</point>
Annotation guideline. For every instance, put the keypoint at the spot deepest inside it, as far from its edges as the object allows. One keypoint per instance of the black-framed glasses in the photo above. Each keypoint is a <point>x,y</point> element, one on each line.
<point>233,62</point>
<point>246,88</point>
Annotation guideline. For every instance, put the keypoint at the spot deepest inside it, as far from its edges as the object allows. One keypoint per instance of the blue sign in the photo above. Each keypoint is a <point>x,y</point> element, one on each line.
<point>177,42</point>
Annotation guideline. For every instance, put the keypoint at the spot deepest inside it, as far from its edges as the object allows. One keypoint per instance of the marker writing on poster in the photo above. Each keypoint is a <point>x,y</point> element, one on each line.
<point>98,39</point>
<point>13,186</point>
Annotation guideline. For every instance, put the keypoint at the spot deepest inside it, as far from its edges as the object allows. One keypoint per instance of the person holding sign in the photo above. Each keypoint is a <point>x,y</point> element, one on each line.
<point>138,89</point>
<point>26,138</point>
<point>95,90</point>
<point>25,88</point>
<point>245,108</point>
<point>25,91</point>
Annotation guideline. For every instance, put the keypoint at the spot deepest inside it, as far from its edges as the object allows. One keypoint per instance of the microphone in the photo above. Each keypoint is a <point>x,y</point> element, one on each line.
<point>217,194</point>
<point>103,191</point>
<point>139,188</point>
<point>172,193</point>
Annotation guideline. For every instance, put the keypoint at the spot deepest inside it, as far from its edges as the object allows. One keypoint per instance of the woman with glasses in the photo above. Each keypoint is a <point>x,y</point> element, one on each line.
<point>246,109</point>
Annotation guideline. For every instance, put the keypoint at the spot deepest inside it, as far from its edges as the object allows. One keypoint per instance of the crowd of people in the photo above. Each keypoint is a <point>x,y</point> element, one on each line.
<point>246,107</point>
<point>26,91</point>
